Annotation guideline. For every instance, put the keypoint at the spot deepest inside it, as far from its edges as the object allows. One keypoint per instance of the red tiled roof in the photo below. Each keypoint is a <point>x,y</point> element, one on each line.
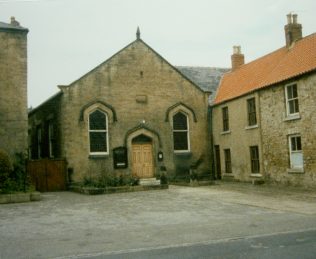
<point>280,65</point>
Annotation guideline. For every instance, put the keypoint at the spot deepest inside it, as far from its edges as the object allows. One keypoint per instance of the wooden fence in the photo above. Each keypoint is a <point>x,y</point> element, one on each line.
<point>48,175</point>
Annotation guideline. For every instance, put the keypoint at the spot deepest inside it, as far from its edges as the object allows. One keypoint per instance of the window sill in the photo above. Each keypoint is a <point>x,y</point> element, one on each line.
<point>103,156</point>
<point>251,127</point>
<point>296,171</point>
<point>225,132</point>
<point>256,175</point>
<point>292,117</point>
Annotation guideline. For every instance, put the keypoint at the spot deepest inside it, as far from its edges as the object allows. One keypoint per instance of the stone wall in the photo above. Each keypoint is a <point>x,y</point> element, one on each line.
<point>276,128</point>
<point>238,139</point>
<point>13,89</point>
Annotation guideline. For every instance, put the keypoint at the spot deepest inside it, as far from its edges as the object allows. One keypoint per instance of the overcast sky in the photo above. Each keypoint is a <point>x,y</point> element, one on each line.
<point>68,38</point>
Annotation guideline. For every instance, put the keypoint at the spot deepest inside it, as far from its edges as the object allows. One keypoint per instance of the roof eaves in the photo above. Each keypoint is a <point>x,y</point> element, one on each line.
<point>9,27</point>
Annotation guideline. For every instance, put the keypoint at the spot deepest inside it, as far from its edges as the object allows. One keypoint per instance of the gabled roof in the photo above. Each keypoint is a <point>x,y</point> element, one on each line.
<point>10,27</point>
<point>207,78</point>
<point>278,66</point>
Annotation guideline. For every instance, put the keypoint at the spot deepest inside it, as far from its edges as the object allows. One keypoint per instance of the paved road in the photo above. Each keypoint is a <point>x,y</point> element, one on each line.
<point>283,245</point>
<point>65,225</point>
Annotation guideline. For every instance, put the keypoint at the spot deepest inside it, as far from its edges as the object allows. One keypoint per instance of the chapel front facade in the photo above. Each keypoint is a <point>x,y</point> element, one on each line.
<point>135,114</point>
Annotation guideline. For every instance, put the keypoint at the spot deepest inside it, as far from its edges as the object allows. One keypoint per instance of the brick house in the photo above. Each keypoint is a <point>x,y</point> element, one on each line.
<point>13,88</point>
<point>133,114</point>
<point>264,114</point>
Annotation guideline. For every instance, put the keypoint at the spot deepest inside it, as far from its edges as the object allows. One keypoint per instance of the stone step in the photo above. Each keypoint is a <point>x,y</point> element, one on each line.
<point>149,181</point>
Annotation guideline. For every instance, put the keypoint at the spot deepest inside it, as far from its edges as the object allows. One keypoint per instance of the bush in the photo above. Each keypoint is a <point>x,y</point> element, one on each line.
<point>110,180</point>
<point>163,178</point>
<point>18,175</point>
<point>12,177</point>
<point>5,170</point>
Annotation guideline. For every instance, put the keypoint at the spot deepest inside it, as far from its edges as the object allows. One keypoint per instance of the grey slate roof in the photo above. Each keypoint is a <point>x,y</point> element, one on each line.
<point>9,27</point>
<point>207,78</point>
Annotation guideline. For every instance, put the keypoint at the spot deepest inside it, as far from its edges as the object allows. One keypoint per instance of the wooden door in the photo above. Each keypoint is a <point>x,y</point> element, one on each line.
<point>142,161</point>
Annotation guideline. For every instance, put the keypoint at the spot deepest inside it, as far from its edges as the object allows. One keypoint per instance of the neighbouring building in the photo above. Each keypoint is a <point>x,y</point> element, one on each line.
<point>13,88</point>
<point>134,114</point>
<point>264,114</point>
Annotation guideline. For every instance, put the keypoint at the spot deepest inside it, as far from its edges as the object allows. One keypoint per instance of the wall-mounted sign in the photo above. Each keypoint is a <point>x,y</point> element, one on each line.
<point>120,157</point>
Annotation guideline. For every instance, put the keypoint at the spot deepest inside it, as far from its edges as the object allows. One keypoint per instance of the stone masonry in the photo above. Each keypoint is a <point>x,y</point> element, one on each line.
<point>276,128</point>
<point>13,87</point>
<point>140,92</point>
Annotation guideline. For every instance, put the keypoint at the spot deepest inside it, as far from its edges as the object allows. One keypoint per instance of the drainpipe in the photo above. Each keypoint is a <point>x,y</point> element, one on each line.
<point>210,139</point>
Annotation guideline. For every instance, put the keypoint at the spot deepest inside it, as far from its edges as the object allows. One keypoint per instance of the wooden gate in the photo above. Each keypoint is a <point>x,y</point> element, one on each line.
<point>142,160</point>
<point>47,175</point>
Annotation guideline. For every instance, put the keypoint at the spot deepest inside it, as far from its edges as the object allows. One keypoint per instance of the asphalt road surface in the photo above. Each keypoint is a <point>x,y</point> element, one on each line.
<point>298,245</point>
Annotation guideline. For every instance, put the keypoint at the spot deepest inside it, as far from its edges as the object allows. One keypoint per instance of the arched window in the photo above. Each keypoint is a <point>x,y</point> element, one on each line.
<point>98,132</point>
<point>181,142</point>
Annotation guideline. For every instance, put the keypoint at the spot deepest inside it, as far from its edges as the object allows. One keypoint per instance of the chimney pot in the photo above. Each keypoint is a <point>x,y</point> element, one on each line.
<point>294,18</point>
<point>236,50</point>
<point>289,18</point>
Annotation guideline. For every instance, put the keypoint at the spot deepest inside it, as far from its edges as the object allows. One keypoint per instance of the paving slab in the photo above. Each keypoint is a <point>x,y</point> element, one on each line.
<point>69,225</point>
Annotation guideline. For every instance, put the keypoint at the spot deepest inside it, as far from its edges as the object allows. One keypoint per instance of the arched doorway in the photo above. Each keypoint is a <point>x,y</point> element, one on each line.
<point>142,157</point>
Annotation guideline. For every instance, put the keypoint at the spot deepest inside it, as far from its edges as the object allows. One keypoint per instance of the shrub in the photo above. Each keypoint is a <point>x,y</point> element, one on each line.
<point>163,178</point>
<point>5,166</point>
<point>110,180</point>
<point>5,170</point>
<point>13,178</point>
<point>18,175</point>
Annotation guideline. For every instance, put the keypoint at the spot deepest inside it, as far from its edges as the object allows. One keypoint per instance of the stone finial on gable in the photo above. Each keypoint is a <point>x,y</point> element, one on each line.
<point>14,22</point>
<point>138,33</point>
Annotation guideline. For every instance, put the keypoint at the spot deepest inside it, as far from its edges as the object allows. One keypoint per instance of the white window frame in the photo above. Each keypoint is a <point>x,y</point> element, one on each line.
<point>292,99</point>
<point>295,152</point>
<point>106,132</point>
<point>187,131</point>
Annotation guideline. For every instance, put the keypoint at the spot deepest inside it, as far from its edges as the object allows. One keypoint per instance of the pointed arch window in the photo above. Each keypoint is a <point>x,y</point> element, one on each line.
<point>98,133</point>
<point>181,141</point>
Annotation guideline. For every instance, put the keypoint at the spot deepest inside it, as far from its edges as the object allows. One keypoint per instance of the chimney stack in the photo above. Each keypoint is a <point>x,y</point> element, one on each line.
<point>293,30</point>
<point>237,58</point>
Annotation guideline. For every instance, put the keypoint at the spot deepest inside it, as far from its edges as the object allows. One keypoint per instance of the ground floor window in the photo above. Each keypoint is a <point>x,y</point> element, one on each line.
<point>296,154</point>
<point>228,163</point>
<point>254,158</point>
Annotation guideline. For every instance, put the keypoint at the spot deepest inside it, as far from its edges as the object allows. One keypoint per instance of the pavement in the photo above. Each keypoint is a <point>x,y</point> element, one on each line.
<point>71,225</point>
